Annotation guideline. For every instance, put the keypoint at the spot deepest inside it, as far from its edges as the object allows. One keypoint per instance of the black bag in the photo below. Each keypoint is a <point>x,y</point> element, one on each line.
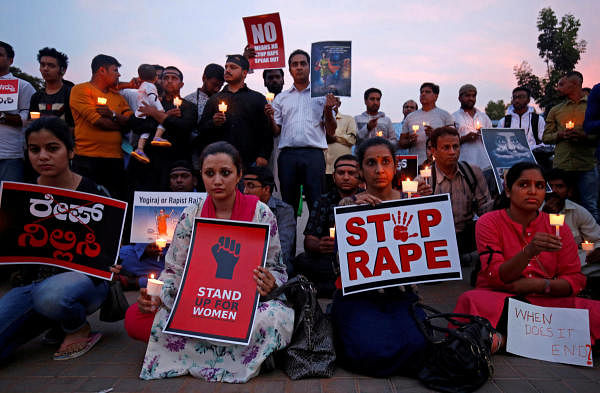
<point>311,353</point>
<point>459,360</point>
<point>115,305</point>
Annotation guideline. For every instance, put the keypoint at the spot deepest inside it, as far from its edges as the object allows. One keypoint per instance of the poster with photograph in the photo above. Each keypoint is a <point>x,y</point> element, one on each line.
<point>505,147</point>
<point>63,228</point>
<point>218,298</point>
<point>331,68</point>
<point>155,214</point>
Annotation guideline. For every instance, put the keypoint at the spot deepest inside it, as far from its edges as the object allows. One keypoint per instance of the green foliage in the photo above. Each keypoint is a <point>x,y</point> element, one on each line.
<point>495,110</point>
<point>560,49</point>
<point>37,83</point>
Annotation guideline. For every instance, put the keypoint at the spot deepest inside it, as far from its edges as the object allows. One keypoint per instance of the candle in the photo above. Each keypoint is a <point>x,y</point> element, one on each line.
<point>409,186</point>
<point>332,232</point>
<point>222,107</point>
<point>177,102</point>
<point>426,174</point>
<point>587,246</point>
<point>557,220</point>
<point>154,287</point>
<point>415,128</point>
<point>425,124</point>
<point>478,125</point>
<point>569,125</point>
<point>270,97</point>
<point>161,243</point>
<point>379,133</point>
<point>34,115</point>
<point>101,101</point>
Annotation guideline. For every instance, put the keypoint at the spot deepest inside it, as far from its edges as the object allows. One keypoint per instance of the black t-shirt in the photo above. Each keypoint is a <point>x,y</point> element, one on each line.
<point>56,104</point>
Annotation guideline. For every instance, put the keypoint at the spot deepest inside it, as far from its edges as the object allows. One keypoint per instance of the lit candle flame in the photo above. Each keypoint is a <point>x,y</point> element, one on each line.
<point>177,102</point>
<point>570,125</point>
<point>379,133</point>
<point>222,107</point>
<point>270,97</point>
<point>415,128</point>
<point>152,276</point>
<point>34,115</point>
<point>102,101</point>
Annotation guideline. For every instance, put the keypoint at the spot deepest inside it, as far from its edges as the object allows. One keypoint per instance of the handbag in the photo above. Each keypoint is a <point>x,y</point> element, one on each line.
<point>115,305</point>
<point>310,353</point>
<point>459,359</point>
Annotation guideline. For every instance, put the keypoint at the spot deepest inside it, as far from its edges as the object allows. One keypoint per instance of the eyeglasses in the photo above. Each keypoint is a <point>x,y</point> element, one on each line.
<point>252,186</point>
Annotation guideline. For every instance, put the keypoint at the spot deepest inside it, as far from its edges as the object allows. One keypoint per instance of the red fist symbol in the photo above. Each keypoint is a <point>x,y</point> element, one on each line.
<point>401,227</point>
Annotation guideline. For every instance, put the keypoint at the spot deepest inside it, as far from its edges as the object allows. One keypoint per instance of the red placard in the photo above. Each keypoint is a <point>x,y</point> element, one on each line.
<point>265,35</point>
<point>218,298</point>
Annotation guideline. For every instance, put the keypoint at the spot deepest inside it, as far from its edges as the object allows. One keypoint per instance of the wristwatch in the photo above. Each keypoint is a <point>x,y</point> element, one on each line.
<point>547,287</point>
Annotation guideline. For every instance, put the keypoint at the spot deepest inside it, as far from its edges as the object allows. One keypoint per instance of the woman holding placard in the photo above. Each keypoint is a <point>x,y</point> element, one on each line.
<point>375,332</point>
<point>521,254</point>
<point>171,355</point>
<point>46,296</point>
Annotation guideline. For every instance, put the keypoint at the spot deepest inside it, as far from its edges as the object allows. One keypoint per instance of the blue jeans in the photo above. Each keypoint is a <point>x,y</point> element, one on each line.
<point>65,299</point>
<point>11,169</point>
<point>587,185</point>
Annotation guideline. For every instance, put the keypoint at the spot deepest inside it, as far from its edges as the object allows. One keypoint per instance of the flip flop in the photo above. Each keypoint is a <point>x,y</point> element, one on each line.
<point>90,342</point>
<point>160,142</point>
<point>140,156</point>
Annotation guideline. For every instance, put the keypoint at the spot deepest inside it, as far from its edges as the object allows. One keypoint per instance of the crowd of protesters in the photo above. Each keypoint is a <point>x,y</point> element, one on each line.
<point>113,138</point>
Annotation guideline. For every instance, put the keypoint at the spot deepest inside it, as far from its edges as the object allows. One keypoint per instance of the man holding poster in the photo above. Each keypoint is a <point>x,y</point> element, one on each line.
<point>214,273</point>
<point>384,243</point>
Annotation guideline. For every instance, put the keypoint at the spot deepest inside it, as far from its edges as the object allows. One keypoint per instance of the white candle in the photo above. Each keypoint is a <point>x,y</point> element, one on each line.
<point>332,232</point>
<point>222,107</point>
<point>34,115</point>
<point>161,243</point>
<point>478,125</point>
<point>557,220</point>
<point>177,102</point>
<point>587,246</point>
<point>425,174</point>
<point>415,128</point>
<point>102,101</point>
<point>409,186</point>
<point>154,287</point>
<point>270,97</point>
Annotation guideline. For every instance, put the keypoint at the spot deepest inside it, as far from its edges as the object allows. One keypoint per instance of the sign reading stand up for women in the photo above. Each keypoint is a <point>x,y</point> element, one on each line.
<point>401,242</point>
<point>217,299</point>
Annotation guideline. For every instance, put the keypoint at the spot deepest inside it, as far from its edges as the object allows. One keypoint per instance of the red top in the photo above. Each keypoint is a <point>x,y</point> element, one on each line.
<point>496,230</point>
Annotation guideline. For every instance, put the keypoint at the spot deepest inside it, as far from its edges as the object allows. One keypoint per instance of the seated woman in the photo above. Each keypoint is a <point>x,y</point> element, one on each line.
<point>520,255</point>
<point>375,332</point>
<point>171,356</point>
<point>51,296</point>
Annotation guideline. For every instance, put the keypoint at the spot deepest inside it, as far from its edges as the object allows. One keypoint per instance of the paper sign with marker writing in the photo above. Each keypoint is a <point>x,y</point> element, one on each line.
<point>265,35</point>
<point>400,242</point>
<point>9,94</point>
<point>560,335</point>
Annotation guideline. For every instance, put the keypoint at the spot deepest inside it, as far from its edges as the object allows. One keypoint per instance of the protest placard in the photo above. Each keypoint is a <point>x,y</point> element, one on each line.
<point>64,228</point>
<point>560,335</point>
<point>265,35</point>
<point>505,147</point>
<point>331,68</point>
<point>155,214</point>
<point>217,299</point>
<point>9,94</point>
<point>406,168</point>
<point>406,241</point>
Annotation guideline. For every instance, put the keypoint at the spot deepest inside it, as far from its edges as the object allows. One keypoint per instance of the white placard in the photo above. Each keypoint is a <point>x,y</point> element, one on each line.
<point>407,241</point>
<point>9,95</point>
<point>155,214</point>
<point>560,335</point>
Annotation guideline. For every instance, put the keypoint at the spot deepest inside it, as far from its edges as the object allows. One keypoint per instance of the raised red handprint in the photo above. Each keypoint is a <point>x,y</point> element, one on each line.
<point>401,227</point>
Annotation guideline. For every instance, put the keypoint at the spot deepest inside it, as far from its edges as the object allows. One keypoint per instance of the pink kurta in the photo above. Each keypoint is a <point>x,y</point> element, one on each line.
<point>495,230</point>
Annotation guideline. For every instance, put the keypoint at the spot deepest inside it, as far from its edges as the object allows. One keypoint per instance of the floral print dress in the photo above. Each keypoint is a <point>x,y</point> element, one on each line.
<point>170,355</point>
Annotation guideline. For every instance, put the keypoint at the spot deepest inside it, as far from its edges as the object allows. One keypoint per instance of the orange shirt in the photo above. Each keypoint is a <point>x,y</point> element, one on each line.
<point>90,140</point>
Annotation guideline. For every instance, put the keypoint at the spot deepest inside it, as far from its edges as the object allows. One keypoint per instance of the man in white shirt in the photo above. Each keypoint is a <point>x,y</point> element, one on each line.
<point>372,122</point>
<point>521,115</point>
<point>12,118</point>
<point>418,125</point>
<point>469,121</point>
<point>408,107</point>
<point>302,122</point>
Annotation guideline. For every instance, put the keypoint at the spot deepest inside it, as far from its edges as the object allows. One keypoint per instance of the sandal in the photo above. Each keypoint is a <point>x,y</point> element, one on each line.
<point>140,156</point>
<point>90,341</point>
<point>156,141</point>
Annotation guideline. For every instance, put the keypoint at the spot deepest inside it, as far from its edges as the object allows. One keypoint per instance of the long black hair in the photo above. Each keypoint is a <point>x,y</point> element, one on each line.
<point>511,177</point>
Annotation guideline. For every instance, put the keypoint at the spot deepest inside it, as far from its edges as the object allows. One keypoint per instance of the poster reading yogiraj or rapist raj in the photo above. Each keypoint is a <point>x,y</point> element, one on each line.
<point>406,241</point>
<point>218,298</point>
<point>331,68</point>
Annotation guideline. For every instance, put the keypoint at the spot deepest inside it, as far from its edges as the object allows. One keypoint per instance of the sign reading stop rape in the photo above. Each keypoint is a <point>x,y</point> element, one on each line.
<point>9,94</point>
<point>407,241</point>
<point>217,299</point>
<point>265,34</point>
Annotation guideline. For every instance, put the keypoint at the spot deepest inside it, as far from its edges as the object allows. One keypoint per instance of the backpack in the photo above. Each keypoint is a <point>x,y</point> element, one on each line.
<point>535,120</point>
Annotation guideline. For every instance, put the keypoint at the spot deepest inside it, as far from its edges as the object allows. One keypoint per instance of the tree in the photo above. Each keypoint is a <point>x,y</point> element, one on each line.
<point>560,49</point>
<point>37,83</point>
<point>495,110</point>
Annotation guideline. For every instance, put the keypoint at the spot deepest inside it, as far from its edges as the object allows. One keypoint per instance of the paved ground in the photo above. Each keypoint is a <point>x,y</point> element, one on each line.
<point>115,363</point>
